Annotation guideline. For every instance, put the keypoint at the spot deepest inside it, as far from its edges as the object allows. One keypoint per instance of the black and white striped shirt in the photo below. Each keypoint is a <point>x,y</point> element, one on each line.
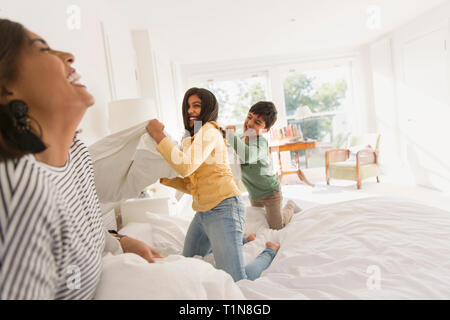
<point>51,233</point>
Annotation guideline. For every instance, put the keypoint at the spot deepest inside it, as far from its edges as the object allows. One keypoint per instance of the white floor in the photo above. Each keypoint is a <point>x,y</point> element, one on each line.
<point>341,190</point>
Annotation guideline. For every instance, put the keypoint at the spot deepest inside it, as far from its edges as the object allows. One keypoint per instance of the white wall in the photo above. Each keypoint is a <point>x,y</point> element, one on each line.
<point>140,68</point>
<point>49,19</point>
<point>122,64</point>
<point>169,104</point>
<point>411,77</point>
<point>384,114</point>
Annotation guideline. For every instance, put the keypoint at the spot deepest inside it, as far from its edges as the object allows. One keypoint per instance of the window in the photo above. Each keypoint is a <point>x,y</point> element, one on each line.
<point>326,89</point>
<point>236,97</point>
<point>326,93</point>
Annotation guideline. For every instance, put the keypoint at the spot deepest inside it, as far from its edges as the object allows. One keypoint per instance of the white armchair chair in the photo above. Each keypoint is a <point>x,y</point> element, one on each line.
<point>358,162</point>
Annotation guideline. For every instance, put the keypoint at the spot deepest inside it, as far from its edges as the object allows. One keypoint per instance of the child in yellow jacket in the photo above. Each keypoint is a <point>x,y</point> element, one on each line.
<point>202,164</point>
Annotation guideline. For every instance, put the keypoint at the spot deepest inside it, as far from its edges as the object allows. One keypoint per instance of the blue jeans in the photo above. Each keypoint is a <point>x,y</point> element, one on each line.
<point>221,229</point>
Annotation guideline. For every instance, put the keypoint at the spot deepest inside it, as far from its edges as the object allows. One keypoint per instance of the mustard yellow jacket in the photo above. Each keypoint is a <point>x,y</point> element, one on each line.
<point>203,166</point>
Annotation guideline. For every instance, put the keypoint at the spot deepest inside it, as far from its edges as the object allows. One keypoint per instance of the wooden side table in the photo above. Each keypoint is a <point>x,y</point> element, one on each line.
<point>281,146</point>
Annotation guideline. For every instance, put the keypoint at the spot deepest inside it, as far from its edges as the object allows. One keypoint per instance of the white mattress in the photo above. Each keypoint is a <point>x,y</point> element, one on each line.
<point>374,248</point>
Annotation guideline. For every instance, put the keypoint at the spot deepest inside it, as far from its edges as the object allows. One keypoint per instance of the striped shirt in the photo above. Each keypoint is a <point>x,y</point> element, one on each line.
<point>51,232</point>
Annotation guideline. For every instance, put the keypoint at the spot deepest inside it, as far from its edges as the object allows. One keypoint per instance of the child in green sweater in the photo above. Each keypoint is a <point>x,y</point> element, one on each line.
<point>262,184</point>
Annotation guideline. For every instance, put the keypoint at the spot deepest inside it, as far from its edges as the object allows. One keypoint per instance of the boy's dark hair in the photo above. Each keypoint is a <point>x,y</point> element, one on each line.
<point>267,111</point>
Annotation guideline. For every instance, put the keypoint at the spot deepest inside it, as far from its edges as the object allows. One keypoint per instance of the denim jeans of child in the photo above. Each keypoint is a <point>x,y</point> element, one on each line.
<point>221,229</point>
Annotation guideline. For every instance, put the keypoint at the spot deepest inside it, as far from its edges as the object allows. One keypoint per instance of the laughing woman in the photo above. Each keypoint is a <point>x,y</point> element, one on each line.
<point>51,231</point>
<point>203,166</point>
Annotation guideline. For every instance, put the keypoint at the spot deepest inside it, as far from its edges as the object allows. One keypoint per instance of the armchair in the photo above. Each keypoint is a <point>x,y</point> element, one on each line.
<point>358,162</point>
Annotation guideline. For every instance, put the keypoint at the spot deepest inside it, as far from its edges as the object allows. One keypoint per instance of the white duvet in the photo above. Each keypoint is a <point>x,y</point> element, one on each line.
<point>375,248</point>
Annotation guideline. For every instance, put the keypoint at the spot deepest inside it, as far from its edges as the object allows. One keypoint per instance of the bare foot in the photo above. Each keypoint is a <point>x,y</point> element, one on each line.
<point>273,245</point>
<point>250,237</point>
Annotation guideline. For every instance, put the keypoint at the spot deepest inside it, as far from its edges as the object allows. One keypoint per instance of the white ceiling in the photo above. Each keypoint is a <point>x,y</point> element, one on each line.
<point>196,31</point>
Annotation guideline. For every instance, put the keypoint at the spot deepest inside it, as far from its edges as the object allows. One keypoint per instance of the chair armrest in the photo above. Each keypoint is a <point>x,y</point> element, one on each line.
<point>366,156</point>
<point>336,155</point>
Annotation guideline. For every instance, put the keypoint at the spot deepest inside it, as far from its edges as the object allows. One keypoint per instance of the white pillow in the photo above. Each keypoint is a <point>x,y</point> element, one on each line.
<point>125,163</point>
<point>355,149</point>
<point>130,277</point>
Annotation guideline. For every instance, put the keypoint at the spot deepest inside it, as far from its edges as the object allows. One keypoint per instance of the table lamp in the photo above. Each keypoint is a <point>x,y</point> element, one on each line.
<point>303,112</point>
<point>126,113</point>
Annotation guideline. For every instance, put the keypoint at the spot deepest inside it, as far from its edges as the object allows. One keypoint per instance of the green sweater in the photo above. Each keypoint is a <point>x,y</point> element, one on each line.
<point>256,166</point>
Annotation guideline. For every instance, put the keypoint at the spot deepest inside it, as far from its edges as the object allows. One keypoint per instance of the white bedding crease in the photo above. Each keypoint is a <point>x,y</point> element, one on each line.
<point>373,248</point>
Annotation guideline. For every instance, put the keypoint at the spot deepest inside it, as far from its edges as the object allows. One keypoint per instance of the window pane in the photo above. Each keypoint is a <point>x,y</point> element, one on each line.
<point>236,97</point>
<point>325,92</point>
<point>322,90</point>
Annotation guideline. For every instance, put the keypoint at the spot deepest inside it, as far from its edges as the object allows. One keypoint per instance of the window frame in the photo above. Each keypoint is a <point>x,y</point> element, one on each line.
<point>194,80</point>
<point>274,70</point>
<point>348,104</point>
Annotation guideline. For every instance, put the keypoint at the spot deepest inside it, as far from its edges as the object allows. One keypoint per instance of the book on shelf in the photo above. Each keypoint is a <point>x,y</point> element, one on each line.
<point>289,132</point>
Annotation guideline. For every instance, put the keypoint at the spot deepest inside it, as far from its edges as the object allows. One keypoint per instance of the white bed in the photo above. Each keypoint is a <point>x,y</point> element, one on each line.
<point>374,248</point>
